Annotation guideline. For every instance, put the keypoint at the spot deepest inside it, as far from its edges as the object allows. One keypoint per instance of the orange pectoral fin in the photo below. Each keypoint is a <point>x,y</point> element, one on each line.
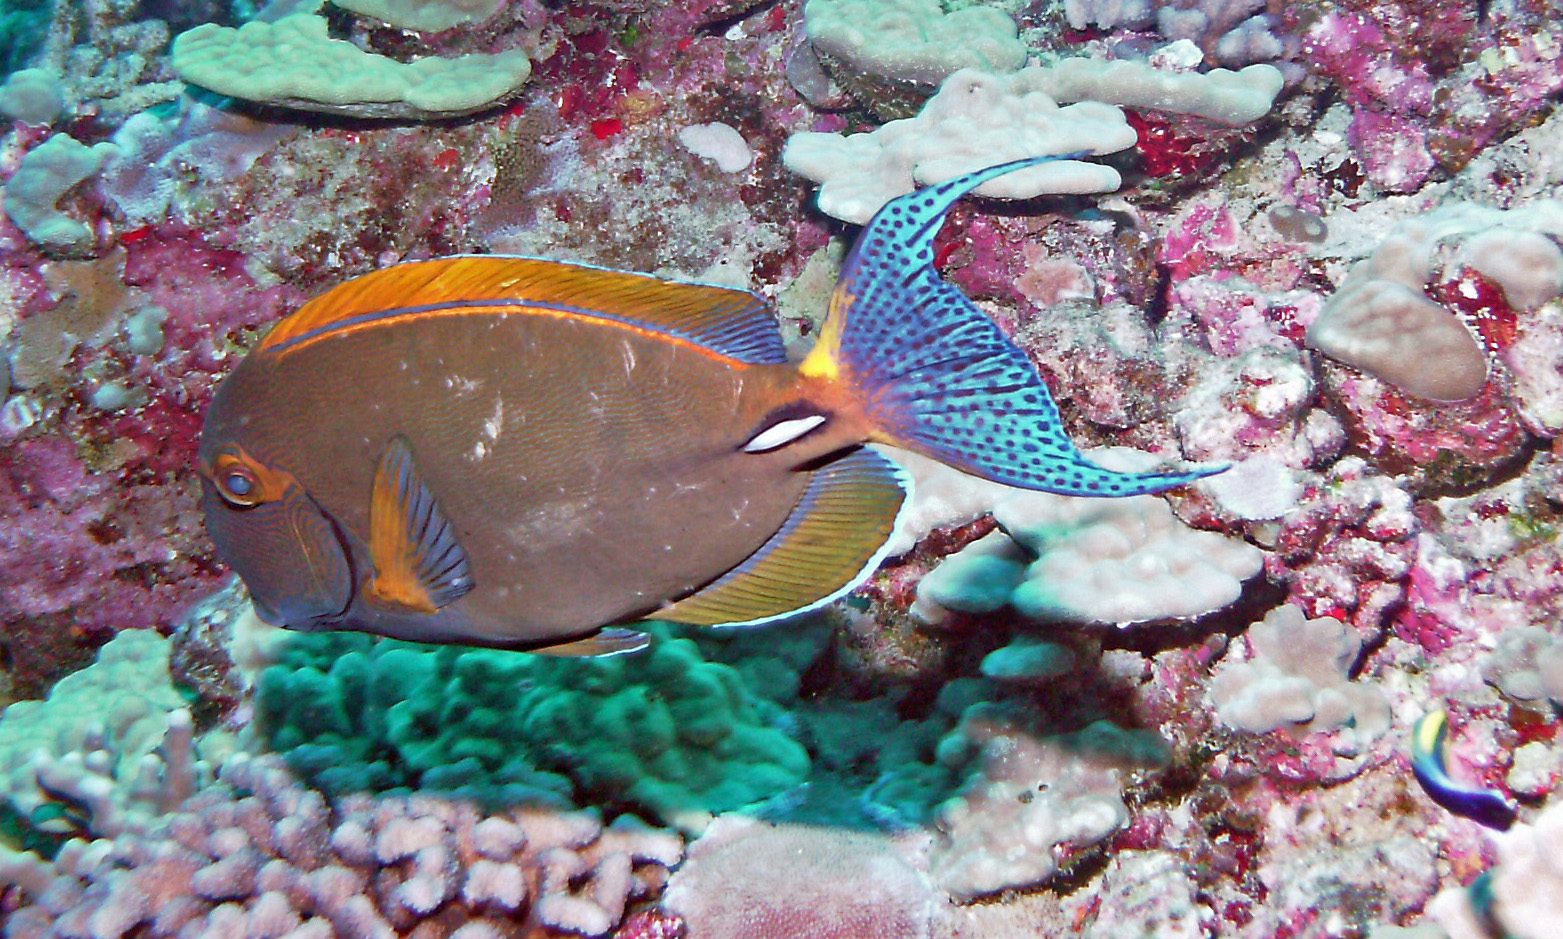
<point>418,563</point>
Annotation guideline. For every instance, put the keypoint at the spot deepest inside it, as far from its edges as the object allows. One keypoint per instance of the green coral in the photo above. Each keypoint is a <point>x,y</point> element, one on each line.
<point>666,731</point>
<point>24,25</point>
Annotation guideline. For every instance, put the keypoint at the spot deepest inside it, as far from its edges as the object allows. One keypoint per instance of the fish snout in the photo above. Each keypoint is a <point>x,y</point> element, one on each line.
<point>287,552</point>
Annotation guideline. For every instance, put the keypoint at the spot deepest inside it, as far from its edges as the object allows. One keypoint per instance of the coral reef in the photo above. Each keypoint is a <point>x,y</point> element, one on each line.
<point>112,741</point>
<point>741,880</point>
<point>1383,322</point>
<point>1059,559</point>
<point>1519,895</point>
<point>1319,242</point>
<point>1032,801</point>
<point>33,192</point>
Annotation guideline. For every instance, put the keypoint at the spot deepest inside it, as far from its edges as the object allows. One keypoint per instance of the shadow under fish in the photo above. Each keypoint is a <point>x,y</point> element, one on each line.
<point>525,453</point>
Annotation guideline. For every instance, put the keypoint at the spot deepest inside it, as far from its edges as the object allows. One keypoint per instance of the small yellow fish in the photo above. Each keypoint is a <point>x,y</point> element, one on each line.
<point>526,453</point>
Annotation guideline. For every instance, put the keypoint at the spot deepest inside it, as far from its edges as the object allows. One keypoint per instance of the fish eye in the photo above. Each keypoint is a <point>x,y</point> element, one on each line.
<point>239,484</point>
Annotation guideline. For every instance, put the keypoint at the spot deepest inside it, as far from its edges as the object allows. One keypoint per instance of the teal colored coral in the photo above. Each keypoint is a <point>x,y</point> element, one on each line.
<point>664,732</point>
<point>24,24</point>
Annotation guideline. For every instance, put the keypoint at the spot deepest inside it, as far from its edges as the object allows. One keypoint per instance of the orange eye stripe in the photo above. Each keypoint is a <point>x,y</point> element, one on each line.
<point>269,484</point>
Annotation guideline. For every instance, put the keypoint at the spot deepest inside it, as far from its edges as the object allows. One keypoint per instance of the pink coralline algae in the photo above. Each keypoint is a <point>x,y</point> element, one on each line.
<point>1347,549</point>
<point>102,531</point>
<point>1430,87</point>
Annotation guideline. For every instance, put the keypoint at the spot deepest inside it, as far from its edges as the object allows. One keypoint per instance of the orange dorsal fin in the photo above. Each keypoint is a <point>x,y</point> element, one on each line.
<point>729,321</point>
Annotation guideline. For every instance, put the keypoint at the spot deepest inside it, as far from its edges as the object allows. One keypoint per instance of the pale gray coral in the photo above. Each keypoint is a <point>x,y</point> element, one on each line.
<point>32,95</point>
<point>1382,321</point>
<point>294,63</point>
<point>914,41</point>
<point>1220,95</point>
<point>978,119</point>
<point>1298,678</point>
<point>1147,893</point>
<point>47,173</point>
<point>1059,558</point>
<point>424,15</point>
<point>1031,796</point>
<point>1527,666</point>
<point>1525,887</point>
<point>1109,14</point>
<point>112,740</point>
<point>746,879</point>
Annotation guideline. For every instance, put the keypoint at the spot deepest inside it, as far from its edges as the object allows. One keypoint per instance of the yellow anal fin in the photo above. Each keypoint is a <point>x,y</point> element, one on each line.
<point>418,563</point>
<point>833,539</point>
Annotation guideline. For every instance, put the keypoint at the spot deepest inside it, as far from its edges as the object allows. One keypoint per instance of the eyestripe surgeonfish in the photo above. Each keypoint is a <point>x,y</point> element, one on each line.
<point>526,453</point>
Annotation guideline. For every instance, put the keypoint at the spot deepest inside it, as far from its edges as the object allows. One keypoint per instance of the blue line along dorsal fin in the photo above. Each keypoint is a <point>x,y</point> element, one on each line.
<point>418,562</point>
<point>836,535</point>
<point>937,375</point>
<point>729,321</point>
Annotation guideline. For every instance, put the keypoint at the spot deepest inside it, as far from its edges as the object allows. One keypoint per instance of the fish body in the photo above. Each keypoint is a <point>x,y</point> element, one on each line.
<point>526,453</point>
<point>1430,765</point>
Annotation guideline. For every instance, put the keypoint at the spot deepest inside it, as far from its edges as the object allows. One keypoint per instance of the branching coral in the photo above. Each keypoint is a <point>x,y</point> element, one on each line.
<point>111,747</point>
<point>262,856</point>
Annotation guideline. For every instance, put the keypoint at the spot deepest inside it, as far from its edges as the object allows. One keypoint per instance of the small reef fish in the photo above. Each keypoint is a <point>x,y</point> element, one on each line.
<point>529,454</point>
<point>1483,806</point>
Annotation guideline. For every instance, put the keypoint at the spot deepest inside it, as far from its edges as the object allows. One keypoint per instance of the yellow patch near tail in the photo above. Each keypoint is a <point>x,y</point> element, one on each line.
<point>824,360</point>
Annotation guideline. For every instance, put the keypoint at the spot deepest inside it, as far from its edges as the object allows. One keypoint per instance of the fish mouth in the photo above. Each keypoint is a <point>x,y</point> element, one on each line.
<point>290,554</point>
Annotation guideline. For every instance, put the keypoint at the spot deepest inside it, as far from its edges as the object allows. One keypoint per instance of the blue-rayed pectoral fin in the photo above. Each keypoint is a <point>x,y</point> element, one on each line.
<point>419,564</point>
<point>934,374</point>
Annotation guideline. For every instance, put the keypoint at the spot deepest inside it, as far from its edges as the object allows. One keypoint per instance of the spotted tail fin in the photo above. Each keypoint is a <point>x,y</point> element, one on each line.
<point>936,375</point>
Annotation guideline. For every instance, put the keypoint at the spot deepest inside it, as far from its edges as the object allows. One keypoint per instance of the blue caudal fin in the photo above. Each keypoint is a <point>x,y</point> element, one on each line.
<point>938,376</point>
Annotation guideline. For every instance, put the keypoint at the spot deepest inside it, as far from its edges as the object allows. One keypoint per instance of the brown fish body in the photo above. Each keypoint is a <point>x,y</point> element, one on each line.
<point>547,440</point>
<point>527,453</point>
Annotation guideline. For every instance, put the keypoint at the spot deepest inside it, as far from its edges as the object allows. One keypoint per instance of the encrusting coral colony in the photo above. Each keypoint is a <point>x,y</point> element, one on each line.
<point>1321,242</point>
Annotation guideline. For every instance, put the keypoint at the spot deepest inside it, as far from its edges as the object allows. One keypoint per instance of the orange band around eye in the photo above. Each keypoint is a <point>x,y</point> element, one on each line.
<point>265,484</point>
